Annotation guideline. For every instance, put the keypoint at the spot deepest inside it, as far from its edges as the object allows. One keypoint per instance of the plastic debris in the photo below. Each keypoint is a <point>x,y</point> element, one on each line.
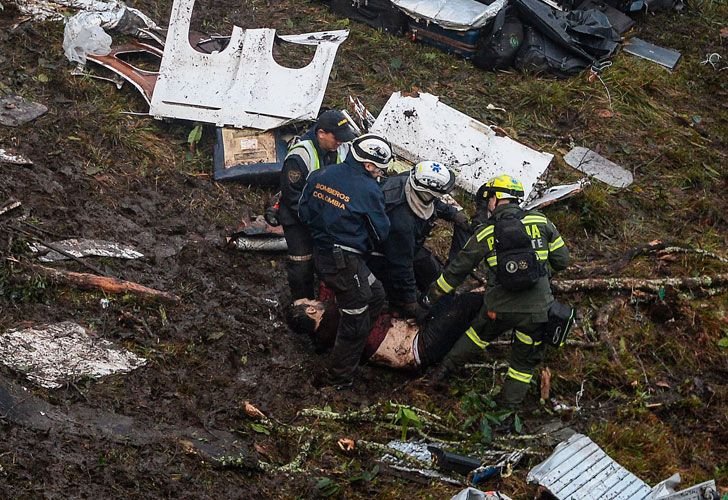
<point>458,15</point>
<point>594,165</point>
<point>423,128</point>
<point>258,236</point>
<point>475,494</point>
<point>579,469</point>
<point>554,194</point>
<point>85,248</point>
<point>52,355</point>
<point>15,111</point>
<point>646,50</point>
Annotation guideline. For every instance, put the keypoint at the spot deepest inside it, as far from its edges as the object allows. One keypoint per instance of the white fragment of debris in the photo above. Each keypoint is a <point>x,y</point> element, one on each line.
<point>554,194</point>
<point>423,128</point>
<point>578,469</point>
<point>594,165</point>
<point>85,248</point>
<point>52,355</point>
<point>471,493</point>
<point>57,10</point>
<point>458,15</point>
<point>241,86</point>
<point>16,159</point>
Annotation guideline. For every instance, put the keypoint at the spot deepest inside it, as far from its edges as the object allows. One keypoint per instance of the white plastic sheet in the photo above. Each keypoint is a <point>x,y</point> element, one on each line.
<point>423,128</point>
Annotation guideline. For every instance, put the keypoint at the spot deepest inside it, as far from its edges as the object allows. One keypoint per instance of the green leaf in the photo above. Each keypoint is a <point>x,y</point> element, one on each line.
<point>43,78</point>
<point>289,23</point>
<point>661,293</point>
<point>395,63</point>
<point>517,424</point>
<point>723,342</point>
<point>195,135</point>
<point>486,431</point>
<point>327,487</point>
<point>431,56</point>
<point>260,429</point>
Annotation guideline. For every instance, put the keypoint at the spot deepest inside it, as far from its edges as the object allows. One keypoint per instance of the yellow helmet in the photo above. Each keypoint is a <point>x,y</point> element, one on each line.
<point>503,187</point>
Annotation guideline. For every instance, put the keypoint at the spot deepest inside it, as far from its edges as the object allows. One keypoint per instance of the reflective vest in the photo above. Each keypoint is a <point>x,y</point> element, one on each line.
<point>308,153</point>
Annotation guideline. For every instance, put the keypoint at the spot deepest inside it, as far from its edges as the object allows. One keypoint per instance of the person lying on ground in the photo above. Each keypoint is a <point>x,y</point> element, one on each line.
<point>392,341</point>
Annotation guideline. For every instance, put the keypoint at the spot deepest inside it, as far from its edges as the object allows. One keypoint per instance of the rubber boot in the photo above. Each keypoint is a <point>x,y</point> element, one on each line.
<point>513,393</point>
<point>300,279</point>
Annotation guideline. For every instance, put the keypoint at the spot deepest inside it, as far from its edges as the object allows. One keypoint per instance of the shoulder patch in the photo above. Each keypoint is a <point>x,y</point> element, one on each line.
<point>294,175</point>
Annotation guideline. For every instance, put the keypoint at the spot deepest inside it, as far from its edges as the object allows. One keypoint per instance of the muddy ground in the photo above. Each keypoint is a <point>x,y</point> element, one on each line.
<point>659,403</point>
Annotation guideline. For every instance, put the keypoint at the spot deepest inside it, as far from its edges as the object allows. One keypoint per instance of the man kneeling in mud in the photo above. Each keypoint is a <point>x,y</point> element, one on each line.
<point>392,341</point>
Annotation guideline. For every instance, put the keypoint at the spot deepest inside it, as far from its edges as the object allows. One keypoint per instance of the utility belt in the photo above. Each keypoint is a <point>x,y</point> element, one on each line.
<point>336,258</point>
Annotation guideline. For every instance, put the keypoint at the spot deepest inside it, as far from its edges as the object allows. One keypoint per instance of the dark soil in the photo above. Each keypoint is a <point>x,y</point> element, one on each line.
<point>155,432</point>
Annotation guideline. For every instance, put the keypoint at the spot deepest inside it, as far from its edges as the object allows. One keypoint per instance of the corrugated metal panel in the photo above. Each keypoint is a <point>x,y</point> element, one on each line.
<point>580,470</point>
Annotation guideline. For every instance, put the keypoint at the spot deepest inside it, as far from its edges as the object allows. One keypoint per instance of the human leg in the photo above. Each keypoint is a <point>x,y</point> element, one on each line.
<point>299,266</point>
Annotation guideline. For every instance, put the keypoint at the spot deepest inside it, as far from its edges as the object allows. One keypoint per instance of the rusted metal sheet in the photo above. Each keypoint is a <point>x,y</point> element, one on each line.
<point>143,80</point>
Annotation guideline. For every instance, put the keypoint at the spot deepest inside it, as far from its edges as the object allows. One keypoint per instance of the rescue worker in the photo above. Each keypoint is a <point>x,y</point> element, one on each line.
<point>403,264</point>
<point>343,207</point>
<point>521,249</point>
<point>324,144</point>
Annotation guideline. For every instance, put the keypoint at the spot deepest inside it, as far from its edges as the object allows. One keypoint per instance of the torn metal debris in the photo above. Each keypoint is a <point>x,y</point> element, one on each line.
<point>458,15</point>
<point>422,127</point>
<point>646,50</point>
<point>579,469</point>
<point>84,248</point>
<point>594,165</point>
<point>471,493</point>
<point>258,236</point>
<point>241,86</point>
<point>15,111</point>
<point>53,355</point>
<point>7,156</point>
<point>554,193</point>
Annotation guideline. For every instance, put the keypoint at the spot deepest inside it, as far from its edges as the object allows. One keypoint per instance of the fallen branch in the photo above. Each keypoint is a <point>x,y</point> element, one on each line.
<point>86,281</point>
<point>9,205</point>
<point>699,251</point>
<point>647,285</point>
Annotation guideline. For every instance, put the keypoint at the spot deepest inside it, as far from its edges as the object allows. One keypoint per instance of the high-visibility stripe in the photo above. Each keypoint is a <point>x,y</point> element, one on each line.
<point>493,261</point>
<point>485,232</point>
<point>534,219</point>
<point>556,244</point>
<point>542,255</point>
<point>473,335</point>
<point>313,162</point>
<point>526,339</point>
<point>520,376</point>
<point>444,285</point>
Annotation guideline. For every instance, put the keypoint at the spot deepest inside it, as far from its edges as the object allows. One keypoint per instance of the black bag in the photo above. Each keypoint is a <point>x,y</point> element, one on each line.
<point>538,54</point>
<point>517,266</point>
<point>498,49</point>
<point>381,14</point>
<point>561,317</point>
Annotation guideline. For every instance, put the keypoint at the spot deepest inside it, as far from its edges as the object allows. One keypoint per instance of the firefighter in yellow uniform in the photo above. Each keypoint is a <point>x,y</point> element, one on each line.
<point>522,249</point>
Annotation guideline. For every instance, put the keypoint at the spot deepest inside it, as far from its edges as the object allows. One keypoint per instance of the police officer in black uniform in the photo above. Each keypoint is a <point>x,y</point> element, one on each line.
<point>324,144</point>
<point>343,207</point>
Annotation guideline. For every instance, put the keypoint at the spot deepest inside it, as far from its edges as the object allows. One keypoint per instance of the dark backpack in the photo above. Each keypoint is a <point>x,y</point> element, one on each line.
<point>381,14</point>
<point>498,49</point>
<point>539,54</point>
<point>517,267</point>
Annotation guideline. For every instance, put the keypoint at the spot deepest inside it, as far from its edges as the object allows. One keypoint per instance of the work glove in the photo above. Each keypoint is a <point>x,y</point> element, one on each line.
<point>271,213</point>
<point>460,220</point>
<point>414,310</point>
<point>434,293</point>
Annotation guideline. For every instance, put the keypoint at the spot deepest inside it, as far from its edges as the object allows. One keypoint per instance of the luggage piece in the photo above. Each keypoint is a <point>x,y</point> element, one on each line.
<point>381,14</point>
<point>620,22</point>
<point>497,49</point>
<point>462,43</point>
<point>538,54</point>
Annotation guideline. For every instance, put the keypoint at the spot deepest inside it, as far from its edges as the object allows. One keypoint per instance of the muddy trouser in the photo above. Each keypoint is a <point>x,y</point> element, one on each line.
<point>299,265</point>
<point>527,348</point>
<point>451,316</point>
<point>459,238</point>
<point>359,297</point>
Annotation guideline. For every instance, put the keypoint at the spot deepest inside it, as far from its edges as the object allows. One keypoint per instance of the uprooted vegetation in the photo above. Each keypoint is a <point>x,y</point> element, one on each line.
<point>651,375</point>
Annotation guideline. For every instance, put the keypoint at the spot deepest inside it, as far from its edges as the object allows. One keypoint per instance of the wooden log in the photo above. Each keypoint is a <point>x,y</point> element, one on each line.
<point>644,284</point>
<point>87,281</point>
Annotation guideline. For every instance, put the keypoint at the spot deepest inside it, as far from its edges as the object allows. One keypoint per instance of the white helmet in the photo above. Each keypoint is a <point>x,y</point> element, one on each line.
<point>372,148</point>
<point>432,177</point>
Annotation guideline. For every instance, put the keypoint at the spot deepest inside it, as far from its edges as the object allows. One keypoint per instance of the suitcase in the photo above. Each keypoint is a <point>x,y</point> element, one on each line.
<point>462,43</point>
<point>379,14</point>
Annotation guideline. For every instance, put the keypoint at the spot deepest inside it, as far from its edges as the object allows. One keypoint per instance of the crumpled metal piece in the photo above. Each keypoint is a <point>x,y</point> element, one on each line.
<point>458,15</point>
<point>15,111</point>
<point>85,248</point>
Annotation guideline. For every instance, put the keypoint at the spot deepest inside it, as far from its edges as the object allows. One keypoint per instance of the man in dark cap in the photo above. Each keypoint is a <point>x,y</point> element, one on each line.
<point>326,143</point>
